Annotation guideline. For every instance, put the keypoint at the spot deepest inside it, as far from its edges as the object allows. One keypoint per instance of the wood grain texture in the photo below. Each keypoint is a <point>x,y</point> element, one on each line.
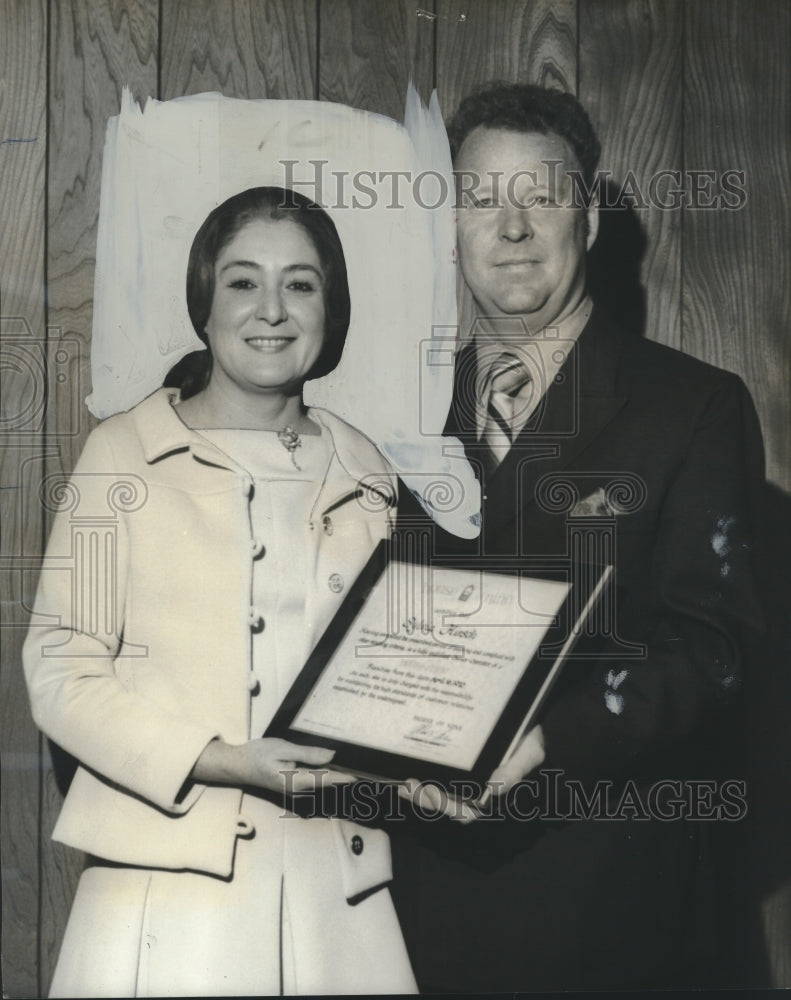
<point>777,933</point>
<point>737,294</point>
<point>736,305</point>
<point>533,42</point>
<point>630,82</point>
<point>95,48</point>
<point>368,52</point>
<point>60,872</point>
<point>241,48</point>
<point>23,129</point>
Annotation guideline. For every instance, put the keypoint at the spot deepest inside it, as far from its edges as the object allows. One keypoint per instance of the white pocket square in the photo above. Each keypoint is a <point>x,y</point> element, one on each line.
<point>595,505</point>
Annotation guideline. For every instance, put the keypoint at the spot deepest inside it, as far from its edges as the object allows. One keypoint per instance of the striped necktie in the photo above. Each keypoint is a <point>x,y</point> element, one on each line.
<point>504,385</point>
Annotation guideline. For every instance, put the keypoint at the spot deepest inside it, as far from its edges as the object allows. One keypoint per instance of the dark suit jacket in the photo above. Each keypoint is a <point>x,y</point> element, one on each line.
<point>670,450</point>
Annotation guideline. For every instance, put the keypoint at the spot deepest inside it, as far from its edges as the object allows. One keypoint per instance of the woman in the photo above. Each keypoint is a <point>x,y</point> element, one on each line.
<point>236,525</point>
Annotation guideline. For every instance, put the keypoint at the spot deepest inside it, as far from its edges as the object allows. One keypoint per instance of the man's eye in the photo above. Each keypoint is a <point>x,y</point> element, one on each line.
<point>242,284</point>
<point>486,201</point>
<point>542,200</point>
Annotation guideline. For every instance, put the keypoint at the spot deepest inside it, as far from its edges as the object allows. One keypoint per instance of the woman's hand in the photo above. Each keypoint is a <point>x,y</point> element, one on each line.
<point>262,763</point>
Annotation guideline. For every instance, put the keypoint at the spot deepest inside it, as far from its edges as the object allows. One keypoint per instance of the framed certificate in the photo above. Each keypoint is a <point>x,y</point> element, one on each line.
<point>435,672</point>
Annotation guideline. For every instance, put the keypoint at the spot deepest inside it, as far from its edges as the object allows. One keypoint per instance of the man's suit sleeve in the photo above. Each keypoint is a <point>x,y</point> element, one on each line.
<point>611,717</point>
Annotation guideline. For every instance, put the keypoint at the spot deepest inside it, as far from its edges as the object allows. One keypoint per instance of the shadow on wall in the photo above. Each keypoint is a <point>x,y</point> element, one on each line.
<point>63,766</point>
<point>615,259</point>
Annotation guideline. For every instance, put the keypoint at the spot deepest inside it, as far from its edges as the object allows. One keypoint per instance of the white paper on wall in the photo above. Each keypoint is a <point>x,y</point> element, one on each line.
<point>389,190</point>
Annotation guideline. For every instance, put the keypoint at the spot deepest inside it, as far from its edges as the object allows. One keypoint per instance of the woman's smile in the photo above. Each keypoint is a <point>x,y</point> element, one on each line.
<point>269,344</point>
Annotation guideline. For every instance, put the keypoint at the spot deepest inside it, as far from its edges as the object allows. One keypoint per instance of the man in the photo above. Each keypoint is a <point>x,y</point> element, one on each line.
<point>580,430</point>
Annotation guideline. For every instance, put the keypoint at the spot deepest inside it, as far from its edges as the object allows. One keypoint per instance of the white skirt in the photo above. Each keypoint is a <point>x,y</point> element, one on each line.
<point>271,929</point>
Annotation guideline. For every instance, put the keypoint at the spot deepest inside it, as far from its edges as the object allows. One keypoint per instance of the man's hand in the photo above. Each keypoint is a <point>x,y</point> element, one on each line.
<point>432,799</point>
<point>526,758</point>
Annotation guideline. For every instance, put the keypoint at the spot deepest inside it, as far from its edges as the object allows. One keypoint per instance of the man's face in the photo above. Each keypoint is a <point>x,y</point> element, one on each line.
<point>522,243</point>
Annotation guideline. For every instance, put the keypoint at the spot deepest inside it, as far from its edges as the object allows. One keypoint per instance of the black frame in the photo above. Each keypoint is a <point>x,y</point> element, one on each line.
<point>524,703</point>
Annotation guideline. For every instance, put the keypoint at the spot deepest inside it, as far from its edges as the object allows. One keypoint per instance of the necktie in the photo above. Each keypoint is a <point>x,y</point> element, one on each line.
<point>503,391</point>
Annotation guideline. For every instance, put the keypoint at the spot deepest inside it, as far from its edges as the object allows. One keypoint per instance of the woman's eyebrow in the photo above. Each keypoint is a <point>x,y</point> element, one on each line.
<point>305,267</point>
<point>238,263</point>
<point>288,267</point>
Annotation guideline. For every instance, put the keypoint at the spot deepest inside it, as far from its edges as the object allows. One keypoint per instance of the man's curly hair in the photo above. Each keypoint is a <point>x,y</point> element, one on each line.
<point>525,107</point>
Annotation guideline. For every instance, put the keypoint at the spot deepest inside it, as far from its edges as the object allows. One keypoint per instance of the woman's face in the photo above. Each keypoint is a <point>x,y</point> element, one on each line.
<point>266,325</point>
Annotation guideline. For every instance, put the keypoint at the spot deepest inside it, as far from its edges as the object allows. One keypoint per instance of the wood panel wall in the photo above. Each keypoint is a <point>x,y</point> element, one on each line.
<point>670,84</point>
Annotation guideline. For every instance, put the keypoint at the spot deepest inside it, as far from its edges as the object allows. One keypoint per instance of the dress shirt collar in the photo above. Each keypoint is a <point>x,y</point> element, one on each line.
<point>543,355</point>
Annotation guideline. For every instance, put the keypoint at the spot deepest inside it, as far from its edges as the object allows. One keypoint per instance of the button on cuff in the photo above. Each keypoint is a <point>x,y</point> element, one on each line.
<point>244,828</point>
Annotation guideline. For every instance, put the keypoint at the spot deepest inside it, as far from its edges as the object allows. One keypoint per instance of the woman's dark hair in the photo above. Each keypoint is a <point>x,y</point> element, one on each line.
<point>192,373</point>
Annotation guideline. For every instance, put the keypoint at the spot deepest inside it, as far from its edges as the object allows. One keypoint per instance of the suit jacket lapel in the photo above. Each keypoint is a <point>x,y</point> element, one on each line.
<point>461,418</point>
